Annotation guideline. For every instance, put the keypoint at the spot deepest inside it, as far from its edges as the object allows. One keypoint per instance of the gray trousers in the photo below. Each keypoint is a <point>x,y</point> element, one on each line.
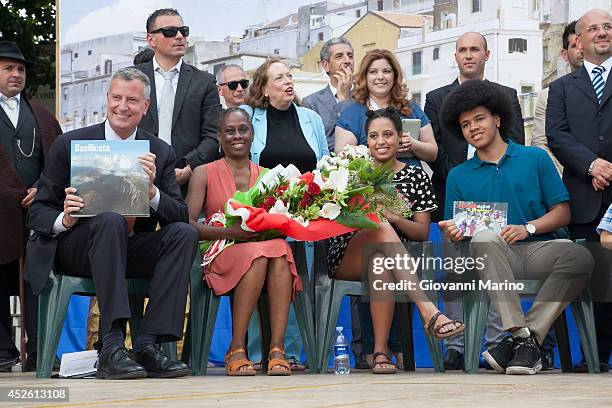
<point>563,266</point>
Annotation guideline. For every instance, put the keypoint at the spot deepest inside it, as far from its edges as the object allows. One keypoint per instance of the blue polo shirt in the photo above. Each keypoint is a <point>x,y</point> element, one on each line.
<point>525,178</point>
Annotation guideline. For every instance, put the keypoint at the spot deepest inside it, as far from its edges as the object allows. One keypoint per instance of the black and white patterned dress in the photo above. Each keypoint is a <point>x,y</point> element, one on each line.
<point>413,184</point>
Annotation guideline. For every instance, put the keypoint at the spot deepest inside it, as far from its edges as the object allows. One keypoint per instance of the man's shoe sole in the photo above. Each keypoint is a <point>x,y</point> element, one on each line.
<point>518,370</point>
<point>170,374</point>
<point>493,363</point>
<point>103,375</point>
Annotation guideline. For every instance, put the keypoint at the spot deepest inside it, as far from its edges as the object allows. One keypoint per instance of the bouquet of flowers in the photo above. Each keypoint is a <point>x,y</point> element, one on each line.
<point>336,198</point>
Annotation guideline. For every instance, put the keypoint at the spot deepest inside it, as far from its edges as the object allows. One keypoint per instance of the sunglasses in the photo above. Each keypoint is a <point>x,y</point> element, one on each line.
<point>233,85</point>
<point>171,31</point>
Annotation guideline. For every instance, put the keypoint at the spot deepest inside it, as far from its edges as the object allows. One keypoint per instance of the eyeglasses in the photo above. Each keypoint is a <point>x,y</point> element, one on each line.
<point>233,85</point>
<point>595,28</point>
<point>171,31</point>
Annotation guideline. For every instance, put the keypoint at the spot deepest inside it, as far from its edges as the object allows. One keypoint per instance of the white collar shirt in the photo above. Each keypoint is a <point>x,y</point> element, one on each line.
<point>13,114</point>
<point>159,79</point>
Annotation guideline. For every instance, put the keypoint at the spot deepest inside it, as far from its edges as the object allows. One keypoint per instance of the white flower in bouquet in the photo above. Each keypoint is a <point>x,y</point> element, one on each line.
<point>330,211</point>
<point>280,208</point>
<point>275,176</point>
<point>337,179</point>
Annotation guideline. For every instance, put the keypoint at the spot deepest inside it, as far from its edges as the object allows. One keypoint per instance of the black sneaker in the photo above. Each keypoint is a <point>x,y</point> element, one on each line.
<point>527,359</point>
<point>499,356</point>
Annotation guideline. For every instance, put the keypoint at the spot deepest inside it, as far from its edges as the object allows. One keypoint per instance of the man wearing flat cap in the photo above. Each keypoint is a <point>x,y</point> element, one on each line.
<point>26,133</point>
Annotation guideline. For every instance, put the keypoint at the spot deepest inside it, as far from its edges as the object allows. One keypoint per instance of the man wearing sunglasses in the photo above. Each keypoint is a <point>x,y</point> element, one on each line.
<point>184,101</point>
<point>232,84</point>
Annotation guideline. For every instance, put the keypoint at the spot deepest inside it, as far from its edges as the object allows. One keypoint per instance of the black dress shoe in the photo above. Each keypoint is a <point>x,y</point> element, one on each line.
<point>8,359</point>
<point>583,368</point>
<point>159,365</point>
<point>116,364</point>
<point>453,360</point>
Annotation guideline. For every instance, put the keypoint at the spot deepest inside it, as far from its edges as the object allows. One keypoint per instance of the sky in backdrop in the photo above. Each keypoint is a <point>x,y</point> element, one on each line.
<point>212,19</point>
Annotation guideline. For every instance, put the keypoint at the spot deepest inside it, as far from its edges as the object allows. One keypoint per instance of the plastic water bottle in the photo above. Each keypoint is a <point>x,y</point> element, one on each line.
<point>341,356</point>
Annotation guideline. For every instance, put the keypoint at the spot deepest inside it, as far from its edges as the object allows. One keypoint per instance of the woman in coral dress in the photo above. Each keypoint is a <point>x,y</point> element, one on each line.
<point>245,267</point>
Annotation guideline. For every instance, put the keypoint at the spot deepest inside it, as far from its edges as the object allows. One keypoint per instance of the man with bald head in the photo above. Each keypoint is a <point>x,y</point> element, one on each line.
<point>232,84</point>
<point>579,131</point>
<point>471,55</point>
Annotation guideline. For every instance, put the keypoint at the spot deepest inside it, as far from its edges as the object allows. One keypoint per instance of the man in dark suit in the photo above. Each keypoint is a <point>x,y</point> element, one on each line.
<point>471,54</point>
<point>338,62</point>
<point>109,247</point>
<point>579,131</point>
<point>27,130</point>
<point>185,103</point>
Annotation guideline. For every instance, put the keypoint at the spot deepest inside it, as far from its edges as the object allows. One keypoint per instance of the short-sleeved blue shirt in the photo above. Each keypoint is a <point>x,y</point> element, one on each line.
<point>525,178</point>
<point>353,118</point>
<point>606,222</point>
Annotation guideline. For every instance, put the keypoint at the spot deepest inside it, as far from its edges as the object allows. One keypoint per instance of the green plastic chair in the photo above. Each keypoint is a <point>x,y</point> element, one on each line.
<point>52,308</point>
<point>476,308</point>
<point>328,297</point>
<point>205,304</point>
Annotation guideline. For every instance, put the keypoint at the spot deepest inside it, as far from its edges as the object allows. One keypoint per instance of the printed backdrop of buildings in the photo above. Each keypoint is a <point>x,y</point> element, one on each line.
<point>524,37</point>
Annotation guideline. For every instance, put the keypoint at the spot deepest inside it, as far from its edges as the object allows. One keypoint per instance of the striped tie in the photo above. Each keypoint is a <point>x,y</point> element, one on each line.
<point>598,82</point>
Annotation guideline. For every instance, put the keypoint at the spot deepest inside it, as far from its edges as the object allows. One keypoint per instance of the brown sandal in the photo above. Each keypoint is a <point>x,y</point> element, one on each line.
<point>436,331</point>
<point>273,362</point>
<point>382,370</point>
<point>234,368</point>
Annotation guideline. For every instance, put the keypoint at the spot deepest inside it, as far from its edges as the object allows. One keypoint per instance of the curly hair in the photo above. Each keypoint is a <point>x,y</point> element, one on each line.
<point>389,113</point>
<point>399,91</point>
<point>256,97</point>
<point>472,94</point>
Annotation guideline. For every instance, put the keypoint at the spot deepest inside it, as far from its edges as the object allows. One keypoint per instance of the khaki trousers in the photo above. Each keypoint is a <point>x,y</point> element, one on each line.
<point>562,265</point>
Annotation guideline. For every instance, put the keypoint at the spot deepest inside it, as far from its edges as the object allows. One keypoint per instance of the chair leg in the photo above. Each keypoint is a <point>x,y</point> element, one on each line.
<point>565,355</point>
<point>403,310</point>
<point>264,329</point>
<point>186,354</point>
<point>434,344</point>
<point>323,296</point>
<point>51,314</point>
<point>303,314</point>
<point>203,314</point>
<point>585,322</point>
<point>337,293</point>
<point>169,349</point>
<point>476,307</point>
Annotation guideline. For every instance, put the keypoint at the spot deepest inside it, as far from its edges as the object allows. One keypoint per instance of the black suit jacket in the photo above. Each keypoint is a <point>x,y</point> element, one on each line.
<point>579,130</point>
<point>452,147</point>
<point>49,202</point>
<point>194,118</point>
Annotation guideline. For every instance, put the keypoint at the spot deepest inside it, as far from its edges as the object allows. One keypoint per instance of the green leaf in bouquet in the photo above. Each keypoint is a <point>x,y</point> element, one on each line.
<point>204,245</point>
<point>388,187</point>
<point>360,190</point>
<point>355,220</point>
<point>359,164</point>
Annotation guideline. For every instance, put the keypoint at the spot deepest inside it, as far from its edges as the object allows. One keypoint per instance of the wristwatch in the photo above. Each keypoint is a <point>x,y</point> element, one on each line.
<point>590,170</point>
<point>531,229</point>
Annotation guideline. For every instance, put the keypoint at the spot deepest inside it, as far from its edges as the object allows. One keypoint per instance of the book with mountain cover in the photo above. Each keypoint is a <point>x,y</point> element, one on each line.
<point>109,178</point>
